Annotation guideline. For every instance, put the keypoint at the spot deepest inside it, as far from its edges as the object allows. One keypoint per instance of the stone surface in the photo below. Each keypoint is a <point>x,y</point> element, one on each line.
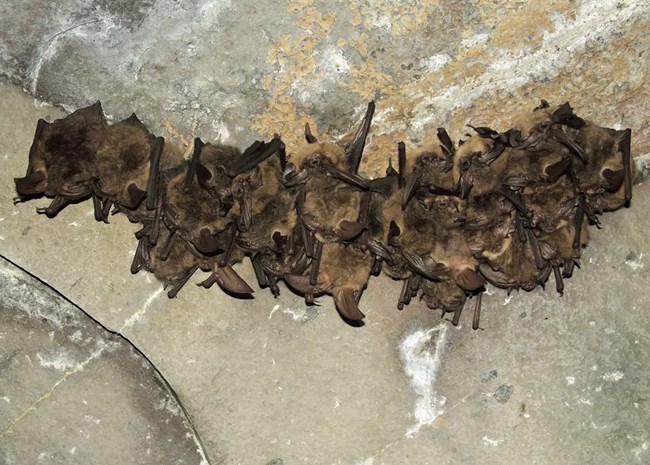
<point>548,380</point>
<point>74,393</point>
<point>232,70</point>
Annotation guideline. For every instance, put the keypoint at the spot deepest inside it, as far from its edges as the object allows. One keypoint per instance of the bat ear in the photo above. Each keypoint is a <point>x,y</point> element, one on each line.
<point>346,304</point>
<point>136,196</point>
<point>612,179</point>
<point>32,184</point>
<point>348,230</point>
<point>354,150</point>
<point>393,230</point>
<point>203,175</point>
<point>134,121</point>
<point>557,169</point>
<point>468,279</point>
<point>92,114</point>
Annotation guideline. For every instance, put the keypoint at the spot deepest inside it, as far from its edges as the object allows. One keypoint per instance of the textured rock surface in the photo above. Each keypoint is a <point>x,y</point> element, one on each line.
<point>228,69</point>
<point>74,393</point>
<point>551,380</point>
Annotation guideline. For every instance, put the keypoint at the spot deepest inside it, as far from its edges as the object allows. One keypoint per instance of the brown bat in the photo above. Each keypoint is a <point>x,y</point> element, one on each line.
<point>272,238</point>
<point>343,273</point>
<point>194,212</point>
<point>330,196</point>
<point>606,177</point>
<point>428,248</point>
<point>62,159</point>
<point>128,162</point>
<point>170,260</point>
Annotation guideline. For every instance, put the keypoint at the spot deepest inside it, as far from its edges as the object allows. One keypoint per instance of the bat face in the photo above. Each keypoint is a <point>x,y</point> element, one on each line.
<point>505,208</point>
<point>431,173</point>
<point>607,177</point>
<point>481,166</point>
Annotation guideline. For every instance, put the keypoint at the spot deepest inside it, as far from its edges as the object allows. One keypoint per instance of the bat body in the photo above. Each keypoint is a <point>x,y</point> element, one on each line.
<point>62,159</point>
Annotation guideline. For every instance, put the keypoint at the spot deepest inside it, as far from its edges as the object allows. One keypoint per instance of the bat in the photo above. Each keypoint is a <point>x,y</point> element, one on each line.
<point>62,159</point>
<point>505,208</point>
<point>332,203</point>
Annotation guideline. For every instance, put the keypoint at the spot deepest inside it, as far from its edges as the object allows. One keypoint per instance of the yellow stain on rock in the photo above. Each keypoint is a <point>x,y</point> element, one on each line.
<point>184,142</point>
<point>294,58</point>
<point>514,29</point>
<point>526,25</point>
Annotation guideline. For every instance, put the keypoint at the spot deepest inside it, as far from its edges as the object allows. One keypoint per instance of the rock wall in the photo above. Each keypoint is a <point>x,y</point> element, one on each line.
<point>238,70</point>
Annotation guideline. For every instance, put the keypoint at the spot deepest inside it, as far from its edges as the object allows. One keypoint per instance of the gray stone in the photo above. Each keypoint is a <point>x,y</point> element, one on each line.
<point>74,393</point>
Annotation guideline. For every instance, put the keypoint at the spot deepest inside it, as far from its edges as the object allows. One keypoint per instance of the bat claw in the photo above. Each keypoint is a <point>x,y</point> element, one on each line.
<point>310,222</point>
<point>559,135</point>
<point>349,178</point>
<point>291,177</point>
<point>380,250</point>
<point>179,281</point>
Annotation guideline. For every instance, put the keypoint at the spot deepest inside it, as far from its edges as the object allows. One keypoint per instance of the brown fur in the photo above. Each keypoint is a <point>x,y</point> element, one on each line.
<point>123,159</point>
<point>64,152</point>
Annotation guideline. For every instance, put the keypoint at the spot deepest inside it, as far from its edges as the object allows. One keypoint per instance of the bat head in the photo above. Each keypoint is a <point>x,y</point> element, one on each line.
<point>547,124</point>
<point>470,167</point>
<point>431,171</point>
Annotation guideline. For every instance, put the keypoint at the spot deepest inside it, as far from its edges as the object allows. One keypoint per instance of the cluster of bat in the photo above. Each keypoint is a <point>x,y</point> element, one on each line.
<point>506,208</point>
